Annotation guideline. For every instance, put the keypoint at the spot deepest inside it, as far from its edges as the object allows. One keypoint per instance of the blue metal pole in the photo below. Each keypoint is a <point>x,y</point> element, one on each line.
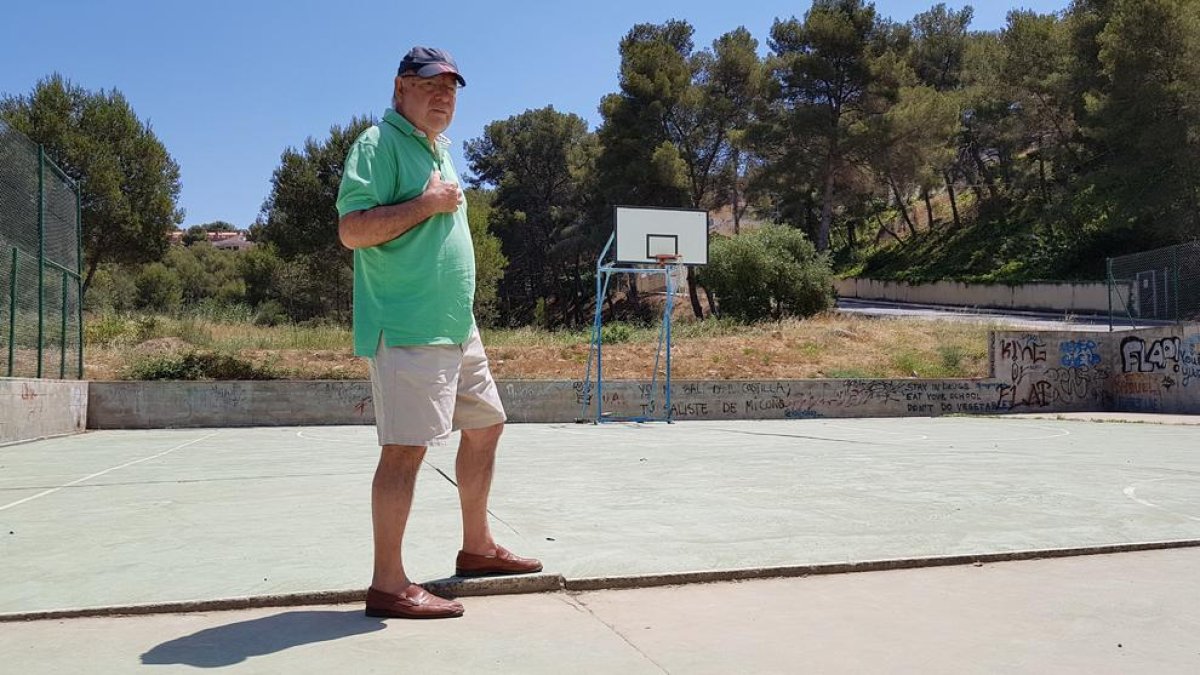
<point>667,319</point>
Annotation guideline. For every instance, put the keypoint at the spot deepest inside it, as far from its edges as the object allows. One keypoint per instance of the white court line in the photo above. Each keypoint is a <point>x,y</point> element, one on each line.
<point>323,439</point>
<point>101,473</point>
<point>1131,492</point>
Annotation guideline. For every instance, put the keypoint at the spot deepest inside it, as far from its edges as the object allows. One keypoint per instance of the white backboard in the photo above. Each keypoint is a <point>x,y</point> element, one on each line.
<point>642,233</point>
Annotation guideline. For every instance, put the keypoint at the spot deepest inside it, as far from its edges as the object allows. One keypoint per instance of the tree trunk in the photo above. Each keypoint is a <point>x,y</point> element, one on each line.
<point>826,211</point>
<point>1042,171</point>
<point>92,266</point>
<point>912,231</point>
<point>577,301</point>
<point>887,229</point>
<point>713,309</point>
<point>695,298</point>
<point>633,298</point>
<point>737,214</point>
<point>928,207</point>
<point>984,173</point>
<point>953,199</point>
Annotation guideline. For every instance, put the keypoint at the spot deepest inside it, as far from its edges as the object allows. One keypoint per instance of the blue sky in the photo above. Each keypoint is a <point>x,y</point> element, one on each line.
<point>229,84</point>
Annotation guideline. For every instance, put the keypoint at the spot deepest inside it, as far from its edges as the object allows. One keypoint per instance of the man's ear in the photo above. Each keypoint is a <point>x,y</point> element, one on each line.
<point>396,90</point>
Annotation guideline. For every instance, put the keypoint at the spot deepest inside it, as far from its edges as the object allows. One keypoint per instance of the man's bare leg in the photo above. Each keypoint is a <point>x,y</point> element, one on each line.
<point>473,468</point>
<point>391,501</point>
<point>480,554</point>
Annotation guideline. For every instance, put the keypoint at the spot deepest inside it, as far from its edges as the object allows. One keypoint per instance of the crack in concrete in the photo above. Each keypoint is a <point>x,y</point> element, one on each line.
<point>580,604</point>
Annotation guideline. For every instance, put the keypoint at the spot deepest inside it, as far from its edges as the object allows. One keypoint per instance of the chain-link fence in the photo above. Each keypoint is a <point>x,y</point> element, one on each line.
<point>1162,284</point>
<point>41,321</point>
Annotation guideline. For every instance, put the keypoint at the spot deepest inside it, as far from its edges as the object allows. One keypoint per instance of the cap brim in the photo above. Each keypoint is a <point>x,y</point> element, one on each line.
<point>433,69</point>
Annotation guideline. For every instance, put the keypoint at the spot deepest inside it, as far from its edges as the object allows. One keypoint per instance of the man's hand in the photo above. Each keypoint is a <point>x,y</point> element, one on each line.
<point>443,197</point>
<point>371,227</point>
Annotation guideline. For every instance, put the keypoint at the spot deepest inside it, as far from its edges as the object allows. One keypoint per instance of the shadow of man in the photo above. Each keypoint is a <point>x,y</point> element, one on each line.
<point>236,642</point>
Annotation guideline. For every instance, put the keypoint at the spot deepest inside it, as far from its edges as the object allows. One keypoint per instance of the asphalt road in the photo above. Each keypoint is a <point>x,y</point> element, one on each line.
<point>1001,318</point>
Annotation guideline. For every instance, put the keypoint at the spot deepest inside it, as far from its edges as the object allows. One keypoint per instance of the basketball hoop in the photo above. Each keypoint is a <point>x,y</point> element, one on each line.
<point>665,259</point>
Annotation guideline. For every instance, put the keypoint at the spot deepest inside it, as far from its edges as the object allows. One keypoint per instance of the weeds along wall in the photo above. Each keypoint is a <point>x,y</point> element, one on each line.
<point>41,323</point>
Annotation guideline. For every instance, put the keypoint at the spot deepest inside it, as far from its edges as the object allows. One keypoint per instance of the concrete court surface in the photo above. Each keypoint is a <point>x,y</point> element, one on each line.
<point>1093,615</point>
<point>123,518</point>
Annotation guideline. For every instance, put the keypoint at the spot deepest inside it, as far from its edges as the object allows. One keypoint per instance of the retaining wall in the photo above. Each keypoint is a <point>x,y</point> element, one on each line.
<point>32,409</point>
<point>1152,370</point>
<point>1066,297</point>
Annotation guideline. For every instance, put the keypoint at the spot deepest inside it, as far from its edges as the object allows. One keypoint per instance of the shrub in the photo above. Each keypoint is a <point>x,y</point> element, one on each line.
<point>196,365</point>
<point>771,273</point>
<point>616,333</point>
<point>270,313</point>
<point>118,329</point>
<point>104,330</point>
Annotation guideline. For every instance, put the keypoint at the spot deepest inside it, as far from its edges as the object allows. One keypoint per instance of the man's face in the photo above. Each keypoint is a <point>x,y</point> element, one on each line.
<point>427,102</point>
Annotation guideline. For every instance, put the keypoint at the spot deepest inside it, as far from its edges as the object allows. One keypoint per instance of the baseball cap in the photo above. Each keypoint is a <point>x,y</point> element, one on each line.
<point>429,61</point>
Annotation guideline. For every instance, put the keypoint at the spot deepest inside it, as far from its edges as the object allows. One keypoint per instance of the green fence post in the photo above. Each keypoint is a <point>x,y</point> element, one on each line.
<point>41,255</point>
<point>1175,273</point>
<point>62,351</point>
<point>1108,264</point>
<point>79,275</point>
<point>12,312</point>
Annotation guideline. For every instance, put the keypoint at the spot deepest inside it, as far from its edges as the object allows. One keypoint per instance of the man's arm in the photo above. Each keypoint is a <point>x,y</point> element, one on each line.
<point>371,227</point>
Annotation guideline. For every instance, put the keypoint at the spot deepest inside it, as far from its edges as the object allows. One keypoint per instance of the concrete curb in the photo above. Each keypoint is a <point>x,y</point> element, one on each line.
<point>544,583</point>
<point>652,580</point>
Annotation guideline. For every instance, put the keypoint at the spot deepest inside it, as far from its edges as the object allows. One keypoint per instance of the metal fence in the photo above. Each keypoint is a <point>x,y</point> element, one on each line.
<point>41,320</point>
<point>1163,284</point>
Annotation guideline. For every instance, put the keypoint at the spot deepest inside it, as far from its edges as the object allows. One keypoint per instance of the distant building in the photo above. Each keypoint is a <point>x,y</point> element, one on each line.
<point>230,241</point>
<point>226,241</point>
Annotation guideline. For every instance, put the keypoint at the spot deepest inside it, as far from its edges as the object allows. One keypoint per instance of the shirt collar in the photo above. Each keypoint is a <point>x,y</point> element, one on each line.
<point>401,122</point>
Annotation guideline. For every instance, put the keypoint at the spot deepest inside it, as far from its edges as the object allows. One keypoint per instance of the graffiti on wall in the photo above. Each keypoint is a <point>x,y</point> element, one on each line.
<point>1189,360</point>
<point>799,400</point>
<point>1154,356</point>
<point>1079,354</point>
<point>1035,383</point>
<point>1156,372</point>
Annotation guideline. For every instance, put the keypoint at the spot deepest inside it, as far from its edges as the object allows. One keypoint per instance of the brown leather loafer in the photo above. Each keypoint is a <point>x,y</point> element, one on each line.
<point>414,603</point>
<point>503,562</point>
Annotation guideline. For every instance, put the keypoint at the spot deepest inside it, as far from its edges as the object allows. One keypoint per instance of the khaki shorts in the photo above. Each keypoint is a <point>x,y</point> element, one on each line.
<point>423,393</point>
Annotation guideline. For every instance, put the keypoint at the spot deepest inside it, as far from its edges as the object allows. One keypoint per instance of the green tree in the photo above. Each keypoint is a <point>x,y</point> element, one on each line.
<point>194,234</point>
<point>159,288</point>
<point>206,274</point>
<point>113,288</point>
<point>538,162</point>
<point>489,259</point>
<point>828,84</point>
<point>257,268</point>
<point>939,45</point>
<point>299,220</point>
<point>668,137</point>
<point>1142,117</point>
<point>940,38</point>
<point>129,183</point>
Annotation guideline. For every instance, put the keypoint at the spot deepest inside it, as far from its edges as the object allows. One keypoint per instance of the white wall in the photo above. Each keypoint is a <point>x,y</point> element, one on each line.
<point>32,409</point>
<point>1066,297</point>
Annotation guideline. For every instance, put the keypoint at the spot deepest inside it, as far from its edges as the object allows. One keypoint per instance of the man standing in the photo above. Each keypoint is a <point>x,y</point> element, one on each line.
<point>402,212</point>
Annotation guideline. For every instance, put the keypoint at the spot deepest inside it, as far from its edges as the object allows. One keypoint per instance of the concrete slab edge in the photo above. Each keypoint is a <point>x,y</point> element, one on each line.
<point>714,576</point>
<point>543,583</point>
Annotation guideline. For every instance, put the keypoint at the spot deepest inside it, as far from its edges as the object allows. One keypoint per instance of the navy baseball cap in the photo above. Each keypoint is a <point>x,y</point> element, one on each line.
<point>429,61</point>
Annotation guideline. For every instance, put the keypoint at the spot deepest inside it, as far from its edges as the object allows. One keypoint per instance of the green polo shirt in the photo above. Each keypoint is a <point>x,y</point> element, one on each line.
<point>418,288</point>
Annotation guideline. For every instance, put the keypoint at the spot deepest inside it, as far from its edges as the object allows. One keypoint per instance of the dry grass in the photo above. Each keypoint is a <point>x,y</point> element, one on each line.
<point>831,345</point>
